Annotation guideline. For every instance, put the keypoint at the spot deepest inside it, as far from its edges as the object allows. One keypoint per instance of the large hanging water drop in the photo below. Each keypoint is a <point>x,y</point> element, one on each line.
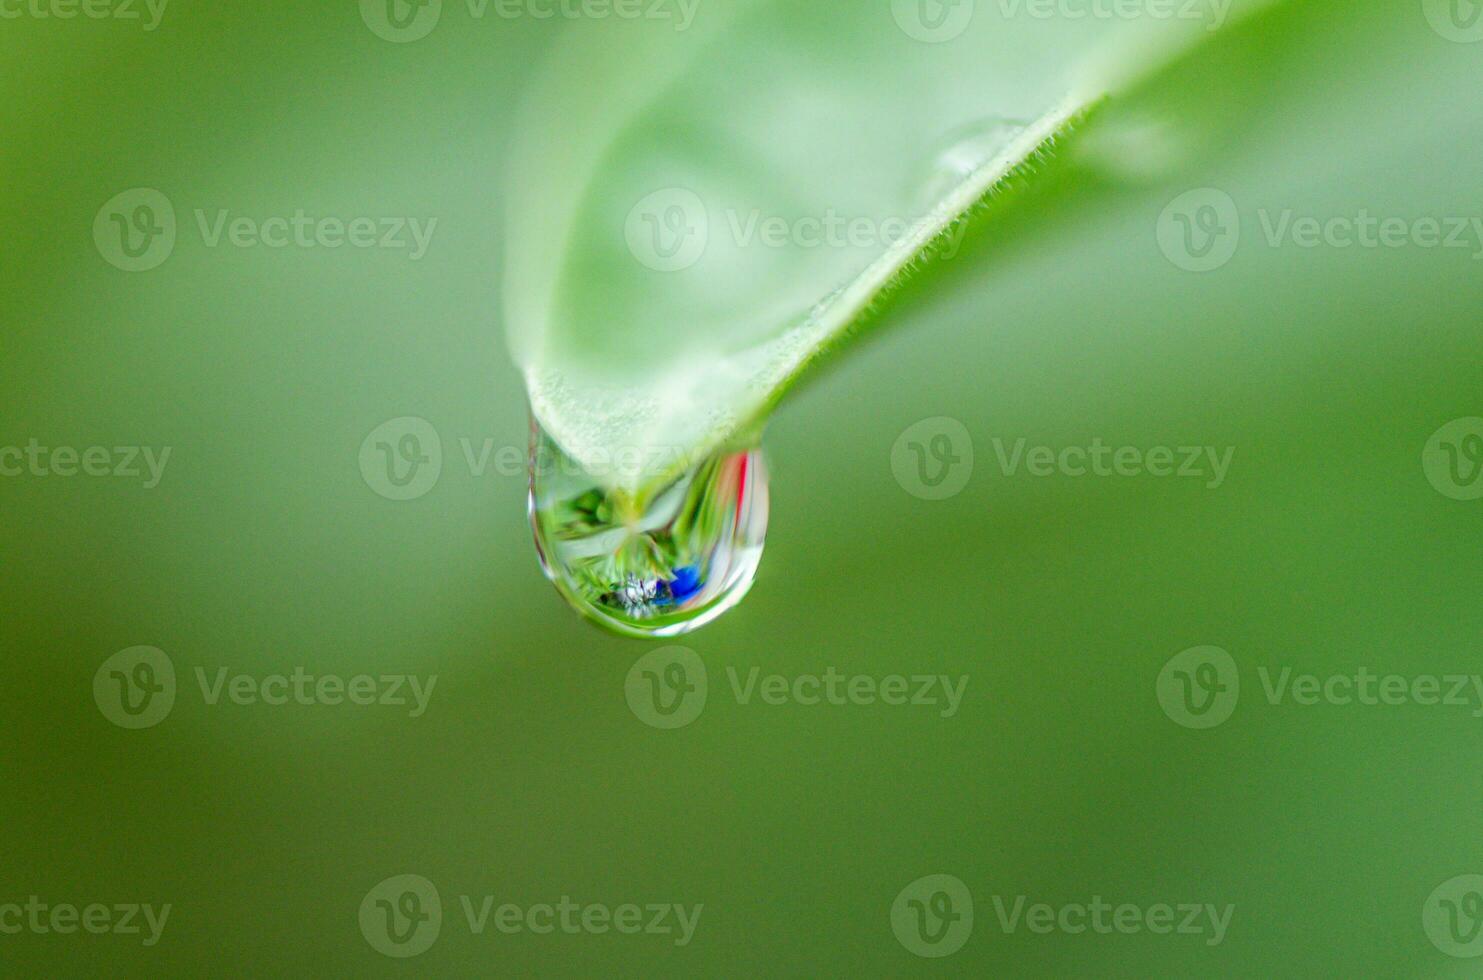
<point>652,563</point>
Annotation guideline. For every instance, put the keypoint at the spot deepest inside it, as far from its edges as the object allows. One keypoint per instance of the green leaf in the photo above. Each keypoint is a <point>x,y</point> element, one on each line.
<point>686,241</point>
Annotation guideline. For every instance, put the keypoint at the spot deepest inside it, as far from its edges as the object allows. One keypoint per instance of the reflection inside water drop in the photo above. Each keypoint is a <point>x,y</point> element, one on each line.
<point>656,563</point>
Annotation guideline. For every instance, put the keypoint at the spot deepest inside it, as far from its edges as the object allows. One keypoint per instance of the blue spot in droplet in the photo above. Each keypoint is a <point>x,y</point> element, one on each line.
<point>685,583</point>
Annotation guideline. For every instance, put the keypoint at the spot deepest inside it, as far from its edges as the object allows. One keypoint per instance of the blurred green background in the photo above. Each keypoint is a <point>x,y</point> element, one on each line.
<point>265,548</point>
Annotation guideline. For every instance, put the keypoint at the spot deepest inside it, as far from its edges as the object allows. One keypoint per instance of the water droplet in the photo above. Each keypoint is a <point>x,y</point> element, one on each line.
<point>1141,147</point>
<point>654,563</point>
<point>962,152</point>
